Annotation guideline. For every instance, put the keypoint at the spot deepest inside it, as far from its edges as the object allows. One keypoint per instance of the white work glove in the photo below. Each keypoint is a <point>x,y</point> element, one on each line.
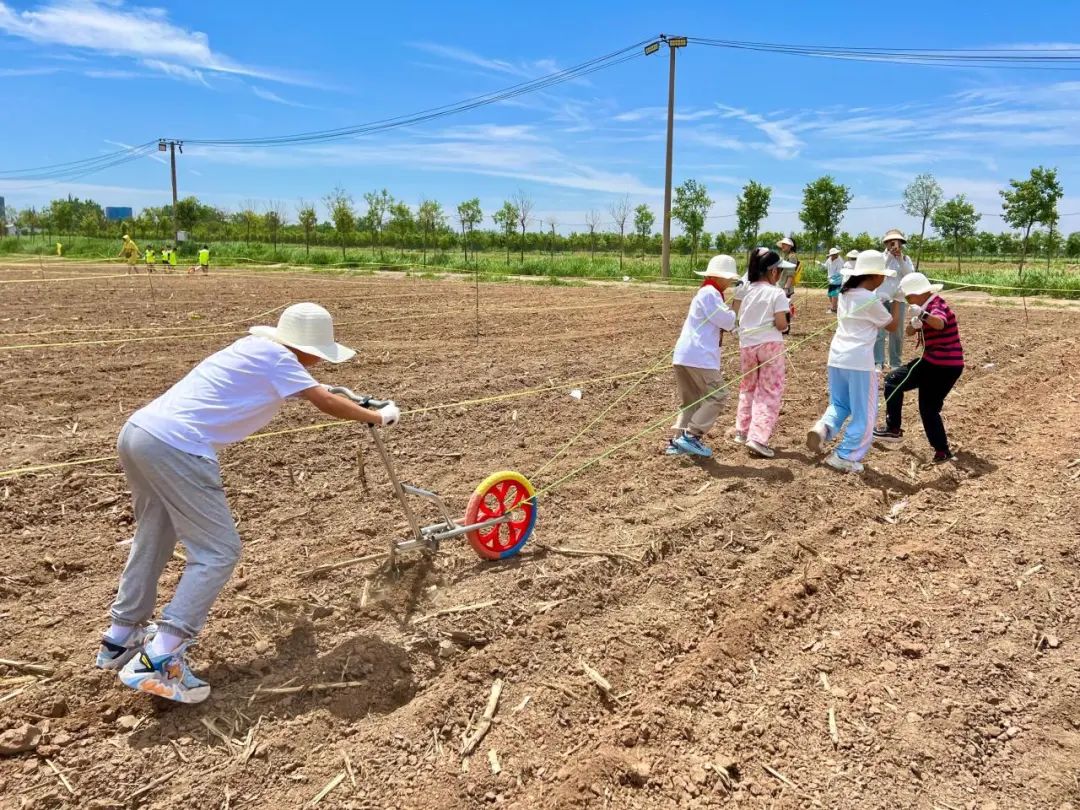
<point>390,413</point>
<point>916,310</point>
<point>916,322</point>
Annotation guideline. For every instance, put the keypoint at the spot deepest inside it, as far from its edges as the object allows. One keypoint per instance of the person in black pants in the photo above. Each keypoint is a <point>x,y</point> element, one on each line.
<point>934,374</point>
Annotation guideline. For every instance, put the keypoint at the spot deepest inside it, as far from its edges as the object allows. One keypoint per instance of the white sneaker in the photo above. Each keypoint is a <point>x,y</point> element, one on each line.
<point>762,450</point>
<point>843,464</point>
<point>113,655</point>
<point>739,438</point>
<point>817,437</point>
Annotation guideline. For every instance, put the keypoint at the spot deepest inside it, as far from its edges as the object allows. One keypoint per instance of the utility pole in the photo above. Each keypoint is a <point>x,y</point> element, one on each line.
<point>673,43</point>
<point>171,145</point>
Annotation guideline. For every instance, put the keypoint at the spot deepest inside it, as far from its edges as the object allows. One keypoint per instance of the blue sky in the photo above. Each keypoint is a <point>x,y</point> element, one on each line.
<point>82,77</point>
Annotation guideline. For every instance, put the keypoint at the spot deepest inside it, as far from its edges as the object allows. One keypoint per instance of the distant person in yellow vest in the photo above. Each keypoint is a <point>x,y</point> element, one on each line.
<point>59,249</point>
<point>204,259</point>
<point>130,253</point>
<point>172,258</point>
<point>151,259</point>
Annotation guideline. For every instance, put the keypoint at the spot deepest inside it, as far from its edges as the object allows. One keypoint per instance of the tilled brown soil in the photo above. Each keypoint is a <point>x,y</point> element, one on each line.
<point>773,634</point>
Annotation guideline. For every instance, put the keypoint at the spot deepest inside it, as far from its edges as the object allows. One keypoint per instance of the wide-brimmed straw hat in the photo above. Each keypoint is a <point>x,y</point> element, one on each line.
<point>308,328</point>
<point>786,241</point>
<point>870,263</point>
<point>722,266</point>
<point>894,233</point>
<point>853,254</point>
<point>834,251</point>
<point>917,284</point>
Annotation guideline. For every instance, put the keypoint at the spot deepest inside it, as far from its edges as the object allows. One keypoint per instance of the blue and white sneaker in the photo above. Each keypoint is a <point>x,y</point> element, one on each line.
<point>671,449</point>
<point>113,656</point>
<point>692,445</point>
<point>166,676</point>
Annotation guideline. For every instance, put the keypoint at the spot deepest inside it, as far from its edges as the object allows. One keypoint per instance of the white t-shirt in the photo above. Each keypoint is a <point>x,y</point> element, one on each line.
<point>835,269</point>
<point>756,323</point>
<point>890,288</point>
<point>699,342</point>
<point>859,316</point>
<point>227,397</point>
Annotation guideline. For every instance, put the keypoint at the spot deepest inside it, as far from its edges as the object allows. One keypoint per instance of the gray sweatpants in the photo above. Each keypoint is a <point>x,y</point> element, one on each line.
<point>177,496</point>
<point>694,384</point>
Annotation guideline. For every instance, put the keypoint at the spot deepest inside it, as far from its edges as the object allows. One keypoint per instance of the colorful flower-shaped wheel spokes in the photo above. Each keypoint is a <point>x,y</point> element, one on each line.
<point>500,494</point>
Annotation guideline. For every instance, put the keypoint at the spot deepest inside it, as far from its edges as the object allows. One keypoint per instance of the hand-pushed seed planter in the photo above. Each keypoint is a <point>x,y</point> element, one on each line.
<point>499,517</point>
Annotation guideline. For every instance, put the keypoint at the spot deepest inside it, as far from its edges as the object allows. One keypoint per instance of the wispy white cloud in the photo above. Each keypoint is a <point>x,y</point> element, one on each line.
<point>16,73</point>
<point>782,144</point>
<point>269,95</point>
<point>111,28</point>
<point>175,71</point>
<point>154,156</point>
<point>660,114</point>
<point>520,69</point>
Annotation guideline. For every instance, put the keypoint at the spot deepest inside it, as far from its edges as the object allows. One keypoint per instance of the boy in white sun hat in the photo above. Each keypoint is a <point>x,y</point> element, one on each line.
<point>696,359</point>
<point>853,381</point>
<point>934,374</point>
<point>834,271</point>
<point>890,295</point>
<point>168,450</point>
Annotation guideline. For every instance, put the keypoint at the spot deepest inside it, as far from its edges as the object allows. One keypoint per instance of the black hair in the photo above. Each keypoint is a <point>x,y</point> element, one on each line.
<point>851,282</point>
<point>760,263</point>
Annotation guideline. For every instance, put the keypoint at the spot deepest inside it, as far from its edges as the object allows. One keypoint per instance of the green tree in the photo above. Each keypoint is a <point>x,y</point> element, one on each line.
<point>957,220</point>
<point>690,207</point>
<point>824,203</point>
<point>469,215</point>
<point>1031,201</point>
<point>308,221</point>
<point>378,206</point>
<point>340,205</point>
<point>506,220</point>
<point>400,224</point>
<point>644,219</point>
<point>751,208</point>
<point>273,220</point>
<point>430,217</point>
<point>1072,245</point>
<point>921,198</point>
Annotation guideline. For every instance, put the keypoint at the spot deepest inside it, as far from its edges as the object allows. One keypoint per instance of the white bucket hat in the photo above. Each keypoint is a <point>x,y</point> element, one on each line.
<point>834,251</point>
<point>853,254</point>
<point>309,328</point>
<point>894,233</point>
<point>722,266</point>
<point>917,284</point>
<point>870,263</point>
<point>786,241</point>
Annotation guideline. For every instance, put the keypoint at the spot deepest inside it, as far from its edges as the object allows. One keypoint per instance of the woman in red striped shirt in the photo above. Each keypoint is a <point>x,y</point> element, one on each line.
<point>934,374</point>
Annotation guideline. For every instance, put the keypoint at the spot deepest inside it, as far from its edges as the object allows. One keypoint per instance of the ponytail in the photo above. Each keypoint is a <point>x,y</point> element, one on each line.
<point>851,282</point>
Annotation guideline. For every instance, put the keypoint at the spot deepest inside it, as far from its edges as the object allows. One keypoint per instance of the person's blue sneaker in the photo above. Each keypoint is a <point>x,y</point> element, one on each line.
<point>113,656</point>
<point>166,676</point>
<point>692,445</point>
<point>671,449</point>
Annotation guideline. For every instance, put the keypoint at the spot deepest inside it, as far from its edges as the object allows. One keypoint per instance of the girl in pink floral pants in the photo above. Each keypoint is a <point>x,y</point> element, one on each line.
<point>764,317</point>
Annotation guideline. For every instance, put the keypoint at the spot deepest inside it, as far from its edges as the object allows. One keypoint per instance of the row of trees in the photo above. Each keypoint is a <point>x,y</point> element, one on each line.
<point>387,222</point>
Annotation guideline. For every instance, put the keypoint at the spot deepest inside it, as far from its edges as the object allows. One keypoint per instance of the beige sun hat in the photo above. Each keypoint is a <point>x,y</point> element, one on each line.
<point>786,241</point>
<point>870,263</point>
<point>834,251</point>
<point>917,284</point>
<point>894,233</point>
<point>722,266</point>
<point>853,254</point>
<point>308,328</point>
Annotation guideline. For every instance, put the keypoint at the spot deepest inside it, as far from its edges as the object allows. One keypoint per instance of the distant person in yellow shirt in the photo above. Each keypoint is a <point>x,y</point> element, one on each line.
<point>130,253</point>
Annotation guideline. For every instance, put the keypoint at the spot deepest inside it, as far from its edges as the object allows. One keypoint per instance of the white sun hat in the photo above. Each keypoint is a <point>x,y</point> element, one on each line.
<point>894,233</point>
<point>786,241</point>
<point>870,263</point>
<point>853,254</point>
<point>309,328</point>
<point>917,284</point>
<point>722,266</point>
<point>834,251</point>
